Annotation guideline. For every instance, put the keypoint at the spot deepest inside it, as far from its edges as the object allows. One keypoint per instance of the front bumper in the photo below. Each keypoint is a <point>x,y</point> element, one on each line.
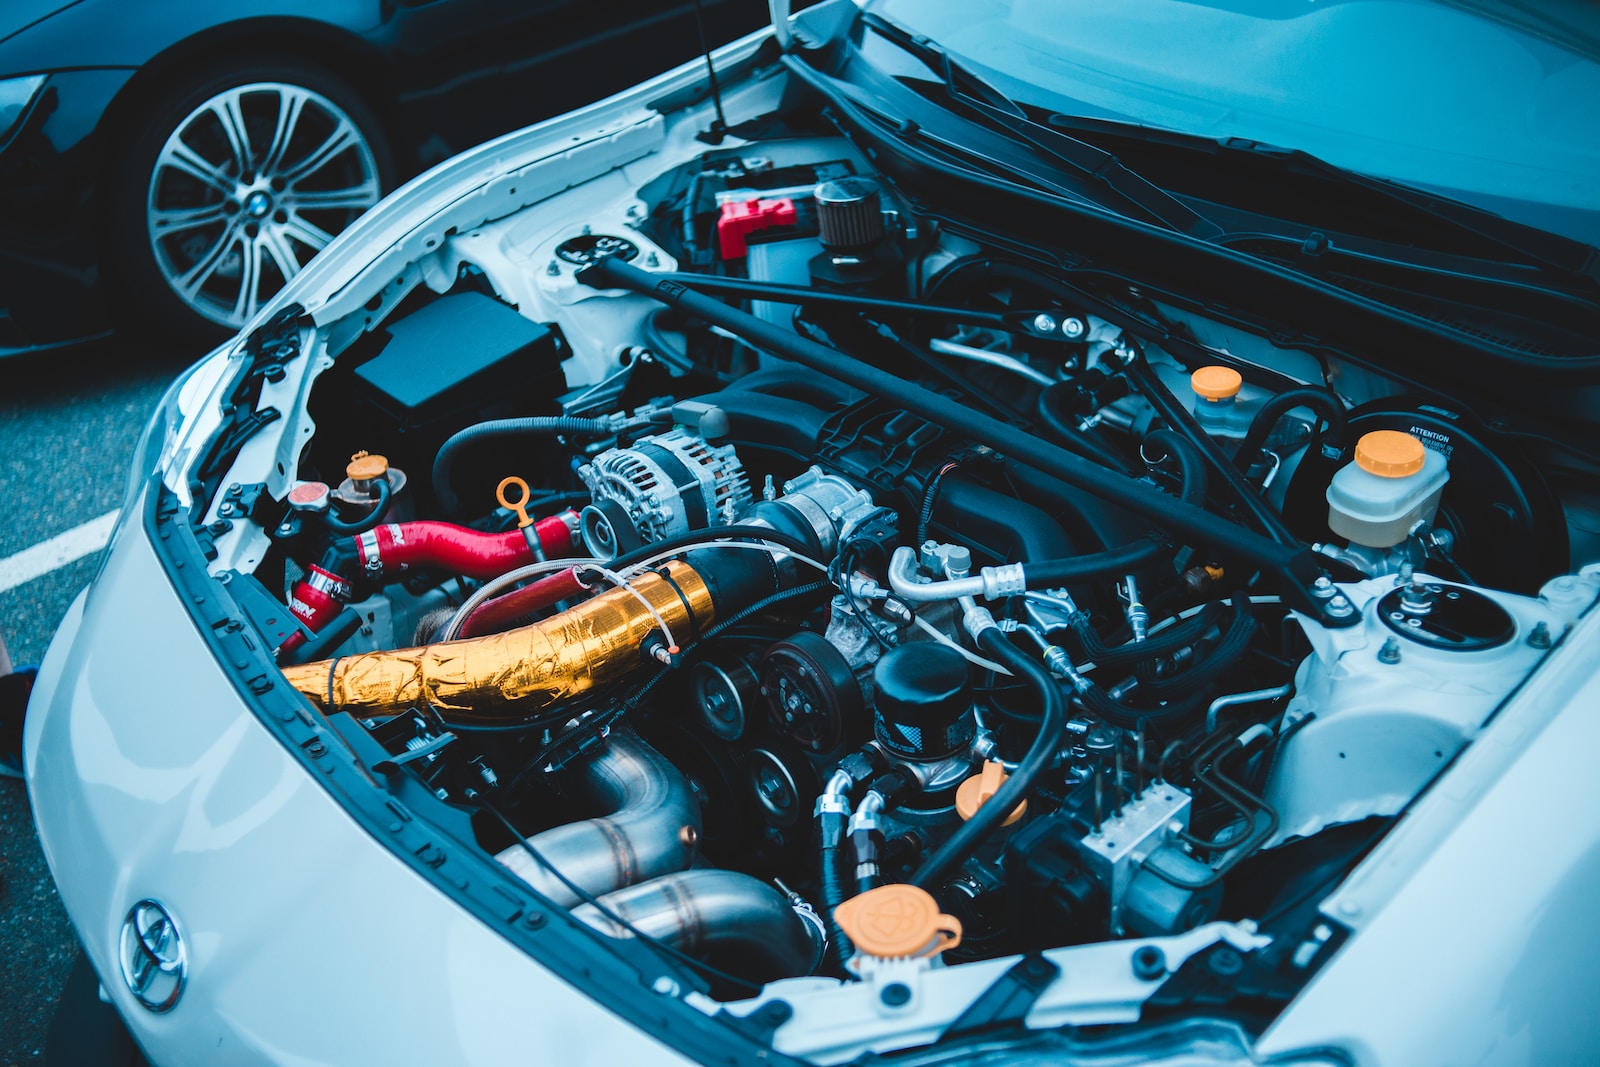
<point>308,940</point>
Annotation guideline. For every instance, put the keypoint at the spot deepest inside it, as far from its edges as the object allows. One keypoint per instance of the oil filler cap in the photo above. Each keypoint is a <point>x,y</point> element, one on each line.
<point>1389,453</point>
<point>896,922</point>
<point>978,790</point>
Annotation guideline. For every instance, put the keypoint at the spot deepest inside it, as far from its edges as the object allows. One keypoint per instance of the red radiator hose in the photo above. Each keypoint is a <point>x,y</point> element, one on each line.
<point>397,547</point>
<point>394,548</point>
<point>316,601</point>
<point>495,614</point>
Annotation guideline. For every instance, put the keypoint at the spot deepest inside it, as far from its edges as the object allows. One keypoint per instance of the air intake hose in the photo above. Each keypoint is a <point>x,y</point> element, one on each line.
<point>536,667</point>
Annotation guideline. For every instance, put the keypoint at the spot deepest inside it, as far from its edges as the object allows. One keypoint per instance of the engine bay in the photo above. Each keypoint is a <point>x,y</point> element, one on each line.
<point>756,561</point>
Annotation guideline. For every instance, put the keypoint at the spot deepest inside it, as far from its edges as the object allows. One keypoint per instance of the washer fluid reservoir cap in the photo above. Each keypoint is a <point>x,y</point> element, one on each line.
<point>366,467</point>
<point>1390,453</point>
<point>1216,383</point>
<point>897,921</point>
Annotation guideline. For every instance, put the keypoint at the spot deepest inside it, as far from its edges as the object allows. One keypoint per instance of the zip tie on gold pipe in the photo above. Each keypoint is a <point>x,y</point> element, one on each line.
<point>622,583</point>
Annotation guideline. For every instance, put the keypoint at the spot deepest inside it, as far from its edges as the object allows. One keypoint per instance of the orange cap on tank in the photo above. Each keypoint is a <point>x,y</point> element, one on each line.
<point>1216,383</point>
<point>1389,453</point>
<point>976,791</point>
<point>896,921</point>
<point>365,467</point>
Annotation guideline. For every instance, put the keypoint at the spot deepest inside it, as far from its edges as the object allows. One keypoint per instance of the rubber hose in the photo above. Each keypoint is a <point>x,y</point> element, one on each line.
<point>1165,643</point>
<point>713,533</point>
<point>534,424</point>
<point>1180,418</point>
<point>774,421</point>
<point>1055,573</point>
<point>366,522</point>
<point>1190,684</point>
<point>1071,437</point>
<point>1191,464</point>
<point>1234,643</point>
<point>1052,725</point>
<point>1322,401</point>
<point>832,897</point>
<point>797,383</point>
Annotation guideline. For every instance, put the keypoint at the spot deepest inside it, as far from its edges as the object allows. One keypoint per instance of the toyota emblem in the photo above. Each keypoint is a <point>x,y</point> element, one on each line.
<point>154,963</point>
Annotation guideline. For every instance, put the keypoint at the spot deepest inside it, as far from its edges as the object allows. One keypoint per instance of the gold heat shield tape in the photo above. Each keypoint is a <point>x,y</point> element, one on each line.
<point>521,671</point>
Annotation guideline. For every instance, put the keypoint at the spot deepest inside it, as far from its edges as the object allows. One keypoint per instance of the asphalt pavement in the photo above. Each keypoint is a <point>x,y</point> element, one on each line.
<point>68,425</point>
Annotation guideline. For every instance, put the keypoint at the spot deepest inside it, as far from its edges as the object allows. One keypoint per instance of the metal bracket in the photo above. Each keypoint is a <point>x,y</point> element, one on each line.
<point>1008,1001</point>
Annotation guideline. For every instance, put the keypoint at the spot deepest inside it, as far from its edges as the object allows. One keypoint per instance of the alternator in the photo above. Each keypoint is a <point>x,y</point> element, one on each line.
<point>660,486</point>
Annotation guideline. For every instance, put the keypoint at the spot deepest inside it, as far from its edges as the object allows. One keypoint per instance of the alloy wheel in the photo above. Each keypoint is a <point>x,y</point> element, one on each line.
<point>251,185</point>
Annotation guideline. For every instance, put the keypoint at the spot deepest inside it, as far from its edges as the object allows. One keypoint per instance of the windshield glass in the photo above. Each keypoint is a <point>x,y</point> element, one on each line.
<point>1500,109</point>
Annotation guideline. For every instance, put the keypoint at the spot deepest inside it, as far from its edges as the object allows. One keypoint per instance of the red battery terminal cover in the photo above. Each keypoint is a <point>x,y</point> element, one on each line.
<point>742,218</point>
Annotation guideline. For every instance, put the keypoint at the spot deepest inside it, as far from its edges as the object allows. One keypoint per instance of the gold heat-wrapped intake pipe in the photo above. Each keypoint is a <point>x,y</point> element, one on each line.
<point>521,671</point>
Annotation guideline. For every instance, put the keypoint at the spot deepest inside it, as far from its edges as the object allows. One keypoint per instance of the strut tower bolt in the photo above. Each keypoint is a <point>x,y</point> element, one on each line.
<point>1539,636</point>
<point>1390,652</point>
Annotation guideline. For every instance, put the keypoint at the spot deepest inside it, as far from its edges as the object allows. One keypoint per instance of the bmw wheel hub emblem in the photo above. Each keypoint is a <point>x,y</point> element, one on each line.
<point>154,961</point>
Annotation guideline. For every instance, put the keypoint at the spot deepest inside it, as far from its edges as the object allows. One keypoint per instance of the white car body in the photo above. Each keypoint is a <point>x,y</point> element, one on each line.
<point>1473,932</point>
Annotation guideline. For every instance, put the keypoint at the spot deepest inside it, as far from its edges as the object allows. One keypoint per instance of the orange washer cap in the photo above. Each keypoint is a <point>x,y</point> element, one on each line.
<point>1389,453</point>
<point>364,467</point>
<point>976,791</point>
<point>1216,383</point>
<point>896,921</point>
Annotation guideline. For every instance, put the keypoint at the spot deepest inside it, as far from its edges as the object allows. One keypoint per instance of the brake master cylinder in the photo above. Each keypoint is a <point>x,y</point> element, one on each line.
<point>1392,484</point>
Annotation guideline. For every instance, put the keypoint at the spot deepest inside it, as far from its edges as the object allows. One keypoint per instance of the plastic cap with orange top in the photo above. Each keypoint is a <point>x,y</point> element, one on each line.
<point>365,467</point>
<point>897,921</point>
<point>1216,383</point>
<point>976,791</point>
<point>1390,453</point>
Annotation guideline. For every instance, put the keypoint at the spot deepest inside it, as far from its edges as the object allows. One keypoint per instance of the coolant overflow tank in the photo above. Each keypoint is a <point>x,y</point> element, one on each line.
<point>1392,483</point>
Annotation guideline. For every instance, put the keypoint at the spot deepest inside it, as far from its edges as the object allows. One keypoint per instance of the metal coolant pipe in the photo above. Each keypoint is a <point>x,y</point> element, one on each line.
<point>696,911</point>
<point>649,829</point>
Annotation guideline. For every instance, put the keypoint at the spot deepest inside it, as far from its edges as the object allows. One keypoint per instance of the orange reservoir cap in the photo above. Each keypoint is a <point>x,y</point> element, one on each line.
<point>896,922</point>
<point>1390,453</point>
<point>977,791</point>
<point>1216,383</point>
<point>366,467</point>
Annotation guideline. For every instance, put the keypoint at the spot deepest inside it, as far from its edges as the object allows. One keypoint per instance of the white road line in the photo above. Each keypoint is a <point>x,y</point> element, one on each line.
<point>60,550</point>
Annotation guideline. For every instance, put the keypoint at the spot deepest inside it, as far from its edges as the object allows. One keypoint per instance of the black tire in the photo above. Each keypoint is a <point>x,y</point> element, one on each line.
<point>180,246</point>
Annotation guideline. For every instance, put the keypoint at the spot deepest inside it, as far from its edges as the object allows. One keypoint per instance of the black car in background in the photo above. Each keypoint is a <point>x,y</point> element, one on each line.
<point>174,161</point>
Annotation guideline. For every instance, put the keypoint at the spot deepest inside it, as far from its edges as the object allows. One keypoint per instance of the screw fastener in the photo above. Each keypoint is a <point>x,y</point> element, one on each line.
<point>1539,636</point>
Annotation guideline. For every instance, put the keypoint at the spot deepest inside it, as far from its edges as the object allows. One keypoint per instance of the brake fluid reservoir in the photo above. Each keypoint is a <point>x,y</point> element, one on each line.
<point>1392,484</point>
<point>1216,401</point>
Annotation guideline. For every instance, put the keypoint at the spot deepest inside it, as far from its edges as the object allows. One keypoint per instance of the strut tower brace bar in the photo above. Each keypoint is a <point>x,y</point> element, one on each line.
<point>1306,586</point>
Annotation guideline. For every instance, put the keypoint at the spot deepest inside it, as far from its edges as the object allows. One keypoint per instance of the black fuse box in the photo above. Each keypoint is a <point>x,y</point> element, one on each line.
<point>443,364</point>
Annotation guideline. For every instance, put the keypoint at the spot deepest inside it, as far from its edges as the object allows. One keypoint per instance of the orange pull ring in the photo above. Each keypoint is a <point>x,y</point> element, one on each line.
<point>520,504</point>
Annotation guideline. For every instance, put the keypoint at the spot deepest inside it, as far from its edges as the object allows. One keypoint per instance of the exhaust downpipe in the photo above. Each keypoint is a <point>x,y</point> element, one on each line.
<point>697,911</point>
<point>650,828</point>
